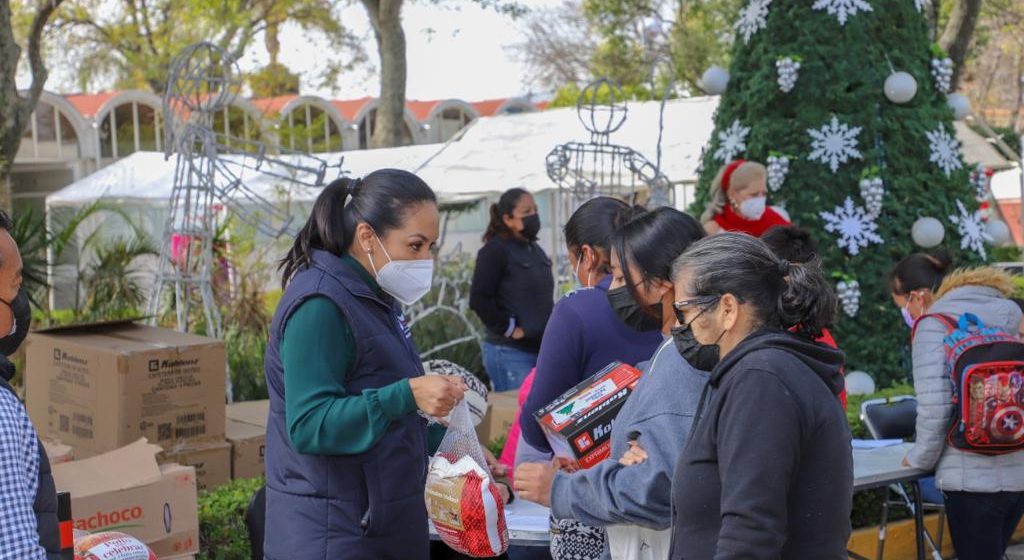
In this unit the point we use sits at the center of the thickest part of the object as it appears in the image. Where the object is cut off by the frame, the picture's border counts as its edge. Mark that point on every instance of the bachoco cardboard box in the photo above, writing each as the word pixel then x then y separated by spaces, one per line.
pixel 126 490
pixel 102 386
pixel 211 459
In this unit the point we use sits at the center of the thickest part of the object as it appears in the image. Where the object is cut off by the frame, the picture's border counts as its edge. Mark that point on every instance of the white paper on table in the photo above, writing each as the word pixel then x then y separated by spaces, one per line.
pixel 875 443
pixel 524 515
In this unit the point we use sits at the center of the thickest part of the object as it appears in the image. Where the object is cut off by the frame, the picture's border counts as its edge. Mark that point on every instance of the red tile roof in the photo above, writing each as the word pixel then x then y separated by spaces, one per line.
pixel 350 108
pixel 273 105
pixel 89 104
pixel 488 107
pixel 421 109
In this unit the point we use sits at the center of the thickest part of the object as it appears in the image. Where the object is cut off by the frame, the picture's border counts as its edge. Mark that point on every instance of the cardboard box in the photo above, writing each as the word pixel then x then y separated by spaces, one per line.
pixel 212 461
pixel 248 445
pixel 100 387
pixel 501 412
pixel 125 490
pixel 57 452
pixel 250 412
pixel 578 424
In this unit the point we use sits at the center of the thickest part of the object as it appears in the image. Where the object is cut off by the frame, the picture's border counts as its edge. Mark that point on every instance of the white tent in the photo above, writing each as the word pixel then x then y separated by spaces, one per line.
pixel 498 153
pixel 149 176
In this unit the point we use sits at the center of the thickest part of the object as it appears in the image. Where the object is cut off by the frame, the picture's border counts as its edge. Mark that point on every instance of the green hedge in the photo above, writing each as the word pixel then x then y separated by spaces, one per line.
pixel 222 531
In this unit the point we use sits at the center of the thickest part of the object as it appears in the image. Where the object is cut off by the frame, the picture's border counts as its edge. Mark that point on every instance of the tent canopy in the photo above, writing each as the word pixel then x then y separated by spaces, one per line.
pixel 491 155
pixel 498 153
pixel 149 177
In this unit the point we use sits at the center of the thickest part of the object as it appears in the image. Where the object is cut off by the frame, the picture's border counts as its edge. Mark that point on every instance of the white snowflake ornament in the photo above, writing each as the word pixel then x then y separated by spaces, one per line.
pixel 834 144
pixel 945 150
pixel 942 74
pixel 732 141
pixel 849 296
pixel 979 180
pixel 842 9
pixel 753 18
pixel 973 234
pixel 856 227
pixel 872 189
pixel 789 71
pixel 778 168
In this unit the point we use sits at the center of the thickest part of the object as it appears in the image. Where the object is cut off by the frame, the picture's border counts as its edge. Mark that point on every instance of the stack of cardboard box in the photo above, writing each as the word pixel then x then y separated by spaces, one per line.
pixel 247 431
pixel 99 389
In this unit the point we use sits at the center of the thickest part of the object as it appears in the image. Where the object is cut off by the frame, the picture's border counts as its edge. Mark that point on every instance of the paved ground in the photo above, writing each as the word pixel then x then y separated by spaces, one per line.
pixel 1015 552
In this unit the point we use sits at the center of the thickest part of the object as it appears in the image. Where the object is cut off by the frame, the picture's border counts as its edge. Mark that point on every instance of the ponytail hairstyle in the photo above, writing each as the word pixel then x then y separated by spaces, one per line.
pixel 651 242
pixel 782 294
pixel 736 174
pixel 593 224
pixel 382 199
pixel 504 207
pixel 920 271
pixel 792 243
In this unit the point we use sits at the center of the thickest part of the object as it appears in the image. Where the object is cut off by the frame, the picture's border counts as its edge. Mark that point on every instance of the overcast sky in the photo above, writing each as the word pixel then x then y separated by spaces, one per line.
pixel 455 49
pixel 460 53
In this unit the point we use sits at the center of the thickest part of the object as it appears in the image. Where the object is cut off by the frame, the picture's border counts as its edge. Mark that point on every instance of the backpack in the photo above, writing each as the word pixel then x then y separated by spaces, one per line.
pixel 986 368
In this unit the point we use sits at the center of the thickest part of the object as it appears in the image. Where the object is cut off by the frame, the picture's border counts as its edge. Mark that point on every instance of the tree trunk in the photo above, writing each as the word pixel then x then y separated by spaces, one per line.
pixel 16 109
pixel 956 38
pixel 386 19
pixel 1019 98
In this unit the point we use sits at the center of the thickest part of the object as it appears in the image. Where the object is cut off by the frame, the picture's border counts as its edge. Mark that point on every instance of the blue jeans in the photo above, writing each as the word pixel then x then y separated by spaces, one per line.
pixel 982 524
pixel 507 366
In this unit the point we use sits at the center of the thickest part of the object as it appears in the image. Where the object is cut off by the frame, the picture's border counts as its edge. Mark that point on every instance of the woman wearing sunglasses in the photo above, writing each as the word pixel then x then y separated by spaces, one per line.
pixel 629 493
pixel 767 471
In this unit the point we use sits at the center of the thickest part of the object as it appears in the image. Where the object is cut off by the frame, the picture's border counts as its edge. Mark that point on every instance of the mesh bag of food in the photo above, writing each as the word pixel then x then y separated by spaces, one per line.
pixel 111 545
pixel 463 501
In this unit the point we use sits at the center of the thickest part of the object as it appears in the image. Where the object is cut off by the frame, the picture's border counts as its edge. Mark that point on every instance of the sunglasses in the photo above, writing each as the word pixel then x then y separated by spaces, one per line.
pixel 702 303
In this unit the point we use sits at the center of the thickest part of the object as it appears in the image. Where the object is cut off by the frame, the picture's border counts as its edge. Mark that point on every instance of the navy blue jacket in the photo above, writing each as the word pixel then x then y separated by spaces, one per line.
pixel 354 507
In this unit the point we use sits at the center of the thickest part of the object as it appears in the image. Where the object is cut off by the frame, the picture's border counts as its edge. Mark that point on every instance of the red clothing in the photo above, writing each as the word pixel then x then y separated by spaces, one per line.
pixel 508 455
pixel 827 340
pixel 729 220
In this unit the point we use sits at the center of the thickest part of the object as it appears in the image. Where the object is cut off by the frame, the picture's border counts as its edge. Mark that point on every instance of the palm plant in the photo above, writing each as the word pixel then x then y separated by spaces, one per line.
pixel 112 283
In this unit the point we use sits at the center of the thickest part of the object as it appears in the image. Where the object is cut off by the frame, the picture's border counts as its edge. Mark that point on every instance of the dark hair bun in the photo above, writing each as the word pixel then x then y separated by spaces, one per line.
pixel 942 261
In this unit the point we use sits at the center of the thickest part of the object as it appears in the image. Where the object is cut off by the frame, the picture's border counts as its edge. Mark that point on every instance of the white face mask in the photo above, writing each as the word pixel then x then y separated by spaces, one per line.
pixel 753 208
pixel 406 281
pixel 579 281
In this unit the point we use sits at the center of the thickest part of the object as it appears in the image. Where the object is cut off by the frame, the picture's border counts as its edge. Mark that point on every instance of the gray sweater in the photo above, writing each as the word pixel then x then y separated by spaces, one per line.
pixel 957 470
pixel 661 409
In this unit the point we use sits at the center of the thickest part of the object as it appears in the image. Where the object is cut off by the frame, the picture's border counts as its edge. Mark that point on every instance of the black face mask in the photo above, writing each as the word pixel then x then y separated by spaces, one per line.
pixel 701 356
pixel 22 321
pixel 531 226
pixel 630 313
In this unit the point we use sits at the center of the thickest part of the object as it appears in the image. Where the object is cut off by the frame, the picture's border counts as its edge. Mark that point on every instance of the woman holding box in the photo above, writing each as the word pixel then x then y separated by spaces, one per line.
pixel 628 494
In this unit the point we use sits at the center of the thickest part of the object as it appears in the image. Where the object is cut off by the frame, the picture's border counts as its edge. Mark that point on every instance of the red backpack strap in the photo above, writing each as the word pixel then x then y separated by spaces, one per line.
pixel 948 321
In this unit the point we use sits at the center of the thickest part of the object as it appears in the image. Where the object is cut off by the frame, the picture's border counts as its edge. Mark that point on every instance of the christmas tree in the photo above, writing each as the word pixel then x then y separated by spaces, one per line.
pixel 847 103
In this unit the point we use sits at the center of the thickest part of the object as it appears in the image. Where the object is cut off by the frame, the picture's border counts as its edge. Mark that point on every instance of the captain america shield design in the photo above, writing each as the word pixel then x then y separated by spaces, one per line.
pixel 1008 423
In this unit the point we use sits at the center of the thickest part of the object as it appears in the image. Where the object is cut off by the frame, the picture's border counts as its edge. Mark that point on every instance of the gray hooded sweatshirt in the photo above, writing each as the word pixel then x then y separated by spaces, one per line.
pixel 662 409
